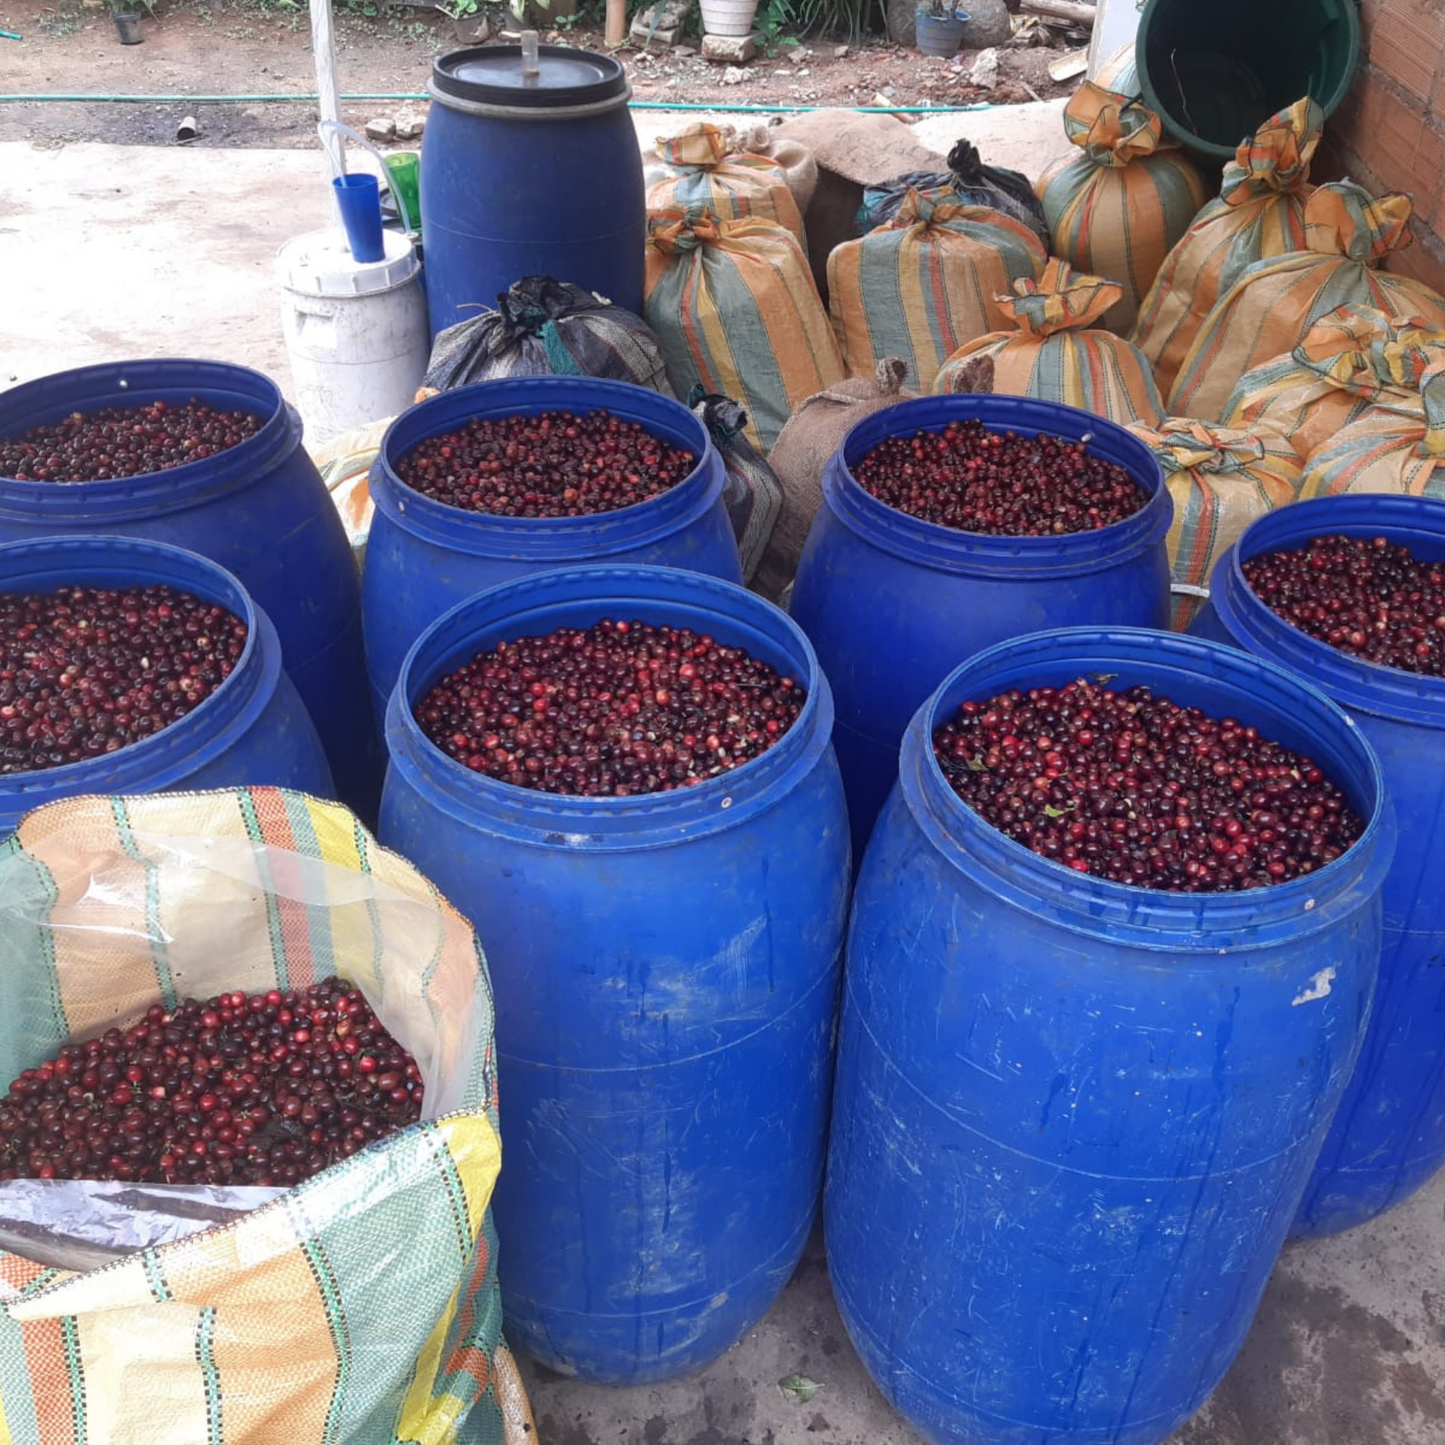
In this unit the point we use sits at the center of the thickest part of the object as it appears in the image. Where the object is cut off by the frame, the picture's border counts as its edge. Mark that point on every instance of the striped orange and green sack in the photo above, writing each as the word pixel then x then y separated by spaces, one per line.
pixel 1056 352
pixel 706 170
pixel 923 284
pixel 1117 207
pixel 1260 211
pixel 1387 451
pixel 1221 480
pixel 1270 309
pixel 359 1306
pixel 1353 363
pixel 734 307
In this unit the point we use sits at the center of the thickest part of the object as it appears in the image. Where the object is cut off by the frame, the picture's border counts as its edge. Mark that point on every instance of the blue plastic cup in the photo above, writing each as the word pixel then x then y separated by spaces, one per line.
pixel 359 200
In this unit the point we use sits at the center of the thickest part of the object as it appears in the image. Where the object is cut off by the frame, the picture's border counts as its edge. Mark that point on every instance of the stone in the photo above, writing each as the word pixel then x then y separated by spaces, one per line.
pixel 734 76
pixel 729 50
pixel 381 129
pixel 988 24
pixel 901 17
pixel 840 52
pixel 661 24
pixel 409 127
pixel 984 71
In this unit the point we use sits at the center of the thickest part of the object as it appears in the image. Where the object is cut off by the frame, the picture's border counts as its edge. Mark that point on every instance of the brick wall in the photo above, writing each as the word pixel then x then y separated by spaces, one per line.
pixel 1389 135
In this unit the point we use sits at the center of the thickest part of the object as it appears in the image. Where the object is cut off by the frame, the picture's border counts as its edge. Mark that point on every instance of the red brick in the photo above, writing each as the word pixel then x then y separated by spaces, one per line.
pixel 1404 39
pixel 1394 140
pixel 1421 262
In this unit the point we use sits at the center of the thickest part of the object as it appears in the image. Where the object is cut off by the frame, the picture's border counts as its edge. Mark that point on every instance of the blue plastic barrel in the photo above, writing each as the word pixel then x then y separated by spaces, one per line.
pixel 424 556
pixel 666 971
pixel 1073 1119
pixel 260 509
pixel 527 176
pixel 893 604
pixel 252 729
pixel 1389 1136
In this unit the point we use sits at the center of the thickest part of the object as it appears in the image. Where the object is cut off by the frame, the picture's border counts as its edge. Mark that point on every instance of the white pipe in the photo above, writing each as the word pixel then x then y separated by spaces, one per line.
pixel 323 46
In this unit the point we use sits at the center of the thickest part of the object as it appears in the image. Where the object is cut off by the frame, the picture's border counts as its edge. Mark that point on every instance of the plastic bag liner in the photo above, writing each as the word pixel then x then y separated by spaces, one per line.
pixel 544 327
pixel 359 1305
pixel 752 493
pixel 966 182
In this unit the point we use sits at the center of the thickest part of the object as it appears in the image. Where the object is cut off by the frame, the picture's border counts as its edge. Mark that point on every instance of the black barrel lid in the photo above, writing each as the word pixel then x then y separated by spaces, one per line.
pixel 492 75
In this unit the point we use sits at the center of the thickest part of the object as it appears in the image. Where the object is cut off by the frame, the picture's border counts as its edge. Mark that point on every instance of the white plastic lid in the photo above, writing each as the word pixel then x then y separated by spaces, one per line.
pixel 320 263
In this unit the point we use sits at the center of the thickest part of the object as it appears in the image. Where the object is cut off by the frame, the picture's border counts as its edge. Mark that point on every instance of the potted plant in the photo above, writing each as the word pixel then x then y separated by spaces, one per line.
pixel 728 17
pixel 940 27
pixel 126 14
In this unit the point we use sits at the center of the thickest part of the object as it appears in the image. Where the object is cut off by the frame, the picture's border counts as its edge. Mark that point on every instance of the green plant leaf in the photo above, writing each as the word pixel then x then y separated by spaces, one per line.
pixel 798 1388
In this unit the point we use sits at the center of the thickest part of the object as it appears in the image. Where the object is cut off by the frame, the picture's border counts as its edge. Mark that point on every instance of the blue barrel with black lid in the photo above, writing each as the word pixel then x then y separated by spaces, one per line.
pixel 529 172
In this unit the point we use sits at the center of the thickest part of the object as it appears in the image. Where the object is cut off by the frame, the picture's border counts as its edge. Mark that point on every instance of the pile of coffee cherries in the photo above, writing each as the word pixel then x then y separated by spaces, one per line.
pixel 1131 787
pixel 612 710
pixel 1364 595
pixel 553 464
pixel 119 441
pixel 87 670
pixel 264 1088
pixel 999 483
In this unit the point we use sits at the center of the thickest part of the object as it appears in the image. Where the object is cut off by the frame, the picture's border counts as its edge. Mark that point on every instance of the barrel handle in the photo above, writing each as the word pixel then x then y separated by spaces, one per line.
pixel 407 220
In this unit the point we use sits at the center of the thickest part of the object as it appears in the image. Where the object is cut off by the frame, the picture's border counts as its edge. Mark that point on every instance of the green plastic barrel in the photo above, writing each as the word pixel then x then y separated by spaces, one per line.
pixel 1216 71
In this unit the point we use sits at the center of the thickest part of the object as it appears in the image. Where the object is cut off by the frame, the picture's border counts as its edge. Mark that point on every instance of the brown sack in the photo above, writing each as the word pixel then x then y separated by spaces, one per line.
pixel 804 448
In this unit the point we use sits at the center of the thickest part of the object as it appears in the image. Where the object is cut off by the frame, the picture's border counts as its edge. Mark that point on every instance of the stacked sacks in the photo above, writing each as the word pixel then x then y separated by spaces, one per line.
pixel 1386 451
pixel 706 169
pixel 966 182
pixel 544 327
pixel 1221 479
pixel 1260 212
pixel 1352 363
pixel 924 283
pixel 813 434
pixel 1058 354
pixel 1270 309
pixel 1116 209
pixel 736 312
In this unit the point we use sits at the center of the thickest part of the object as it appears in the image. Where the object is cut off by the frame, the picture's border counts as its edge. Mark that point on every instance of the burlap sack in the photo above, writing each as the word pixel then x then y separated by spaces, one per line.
pixel 1221 480
pixel 803 449
pixel 1270 309
pixel 1119 203
pixel 924 283
pixel 1353 363
pixel 735 311
pixel 1057 353
pixel 705 168
pixel 851 150
pixel 1386 451
pixel 1260 211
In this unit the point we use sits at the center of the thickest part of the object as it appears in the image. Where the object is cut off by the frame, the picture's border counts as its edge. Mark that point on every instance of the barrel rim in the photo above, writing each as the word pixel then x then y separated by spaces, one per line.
pixel 976 553
pixel 191 741
pixel 630 823
pixel 1153 919
pixel 608 91
pixel 180 488
pixel 1366 687
pixel 484 534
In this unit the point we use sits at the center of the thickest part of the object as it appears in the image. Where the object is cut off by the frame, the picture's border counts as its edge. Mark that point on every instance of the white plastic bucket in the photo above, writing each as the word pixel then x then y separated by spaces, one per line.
pixel 356 334
pixel 728 17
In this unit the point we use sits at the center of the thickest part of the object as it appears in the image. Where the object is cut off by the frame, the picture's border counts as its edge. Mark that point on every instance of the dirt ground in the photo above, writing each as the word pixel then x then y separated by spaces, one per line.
pixel 234 47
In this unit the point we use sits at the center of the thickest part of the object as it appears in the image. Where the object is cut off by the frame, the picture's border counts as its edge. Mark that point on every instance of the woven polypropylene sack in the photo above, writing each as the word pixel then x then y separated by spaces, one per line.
pixel 1352 363
pixel 1260 212
pixel 925 283
pixel 545 327
pixel 1056 353
pixel 706 169
pixel 1117 206
pixel 813 433
pixel 1119 72
pixel 361 1306
pixel 1270 309
pixel 1387 451
pixel 1221 480
pixel 735 309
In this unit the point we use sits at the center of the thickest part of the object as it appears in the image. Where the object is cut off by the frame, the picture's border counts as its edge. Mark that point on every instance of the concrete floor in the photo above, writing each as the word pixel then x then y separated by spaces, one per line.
pixel 107 253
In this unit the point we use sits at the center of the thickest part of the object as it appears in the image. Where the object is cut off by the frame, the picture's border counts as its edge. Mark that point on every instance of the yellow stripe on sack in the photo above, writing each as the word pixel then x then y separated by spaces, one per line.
pixel 335 830
pixel 477 1154
pixel 425 1417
